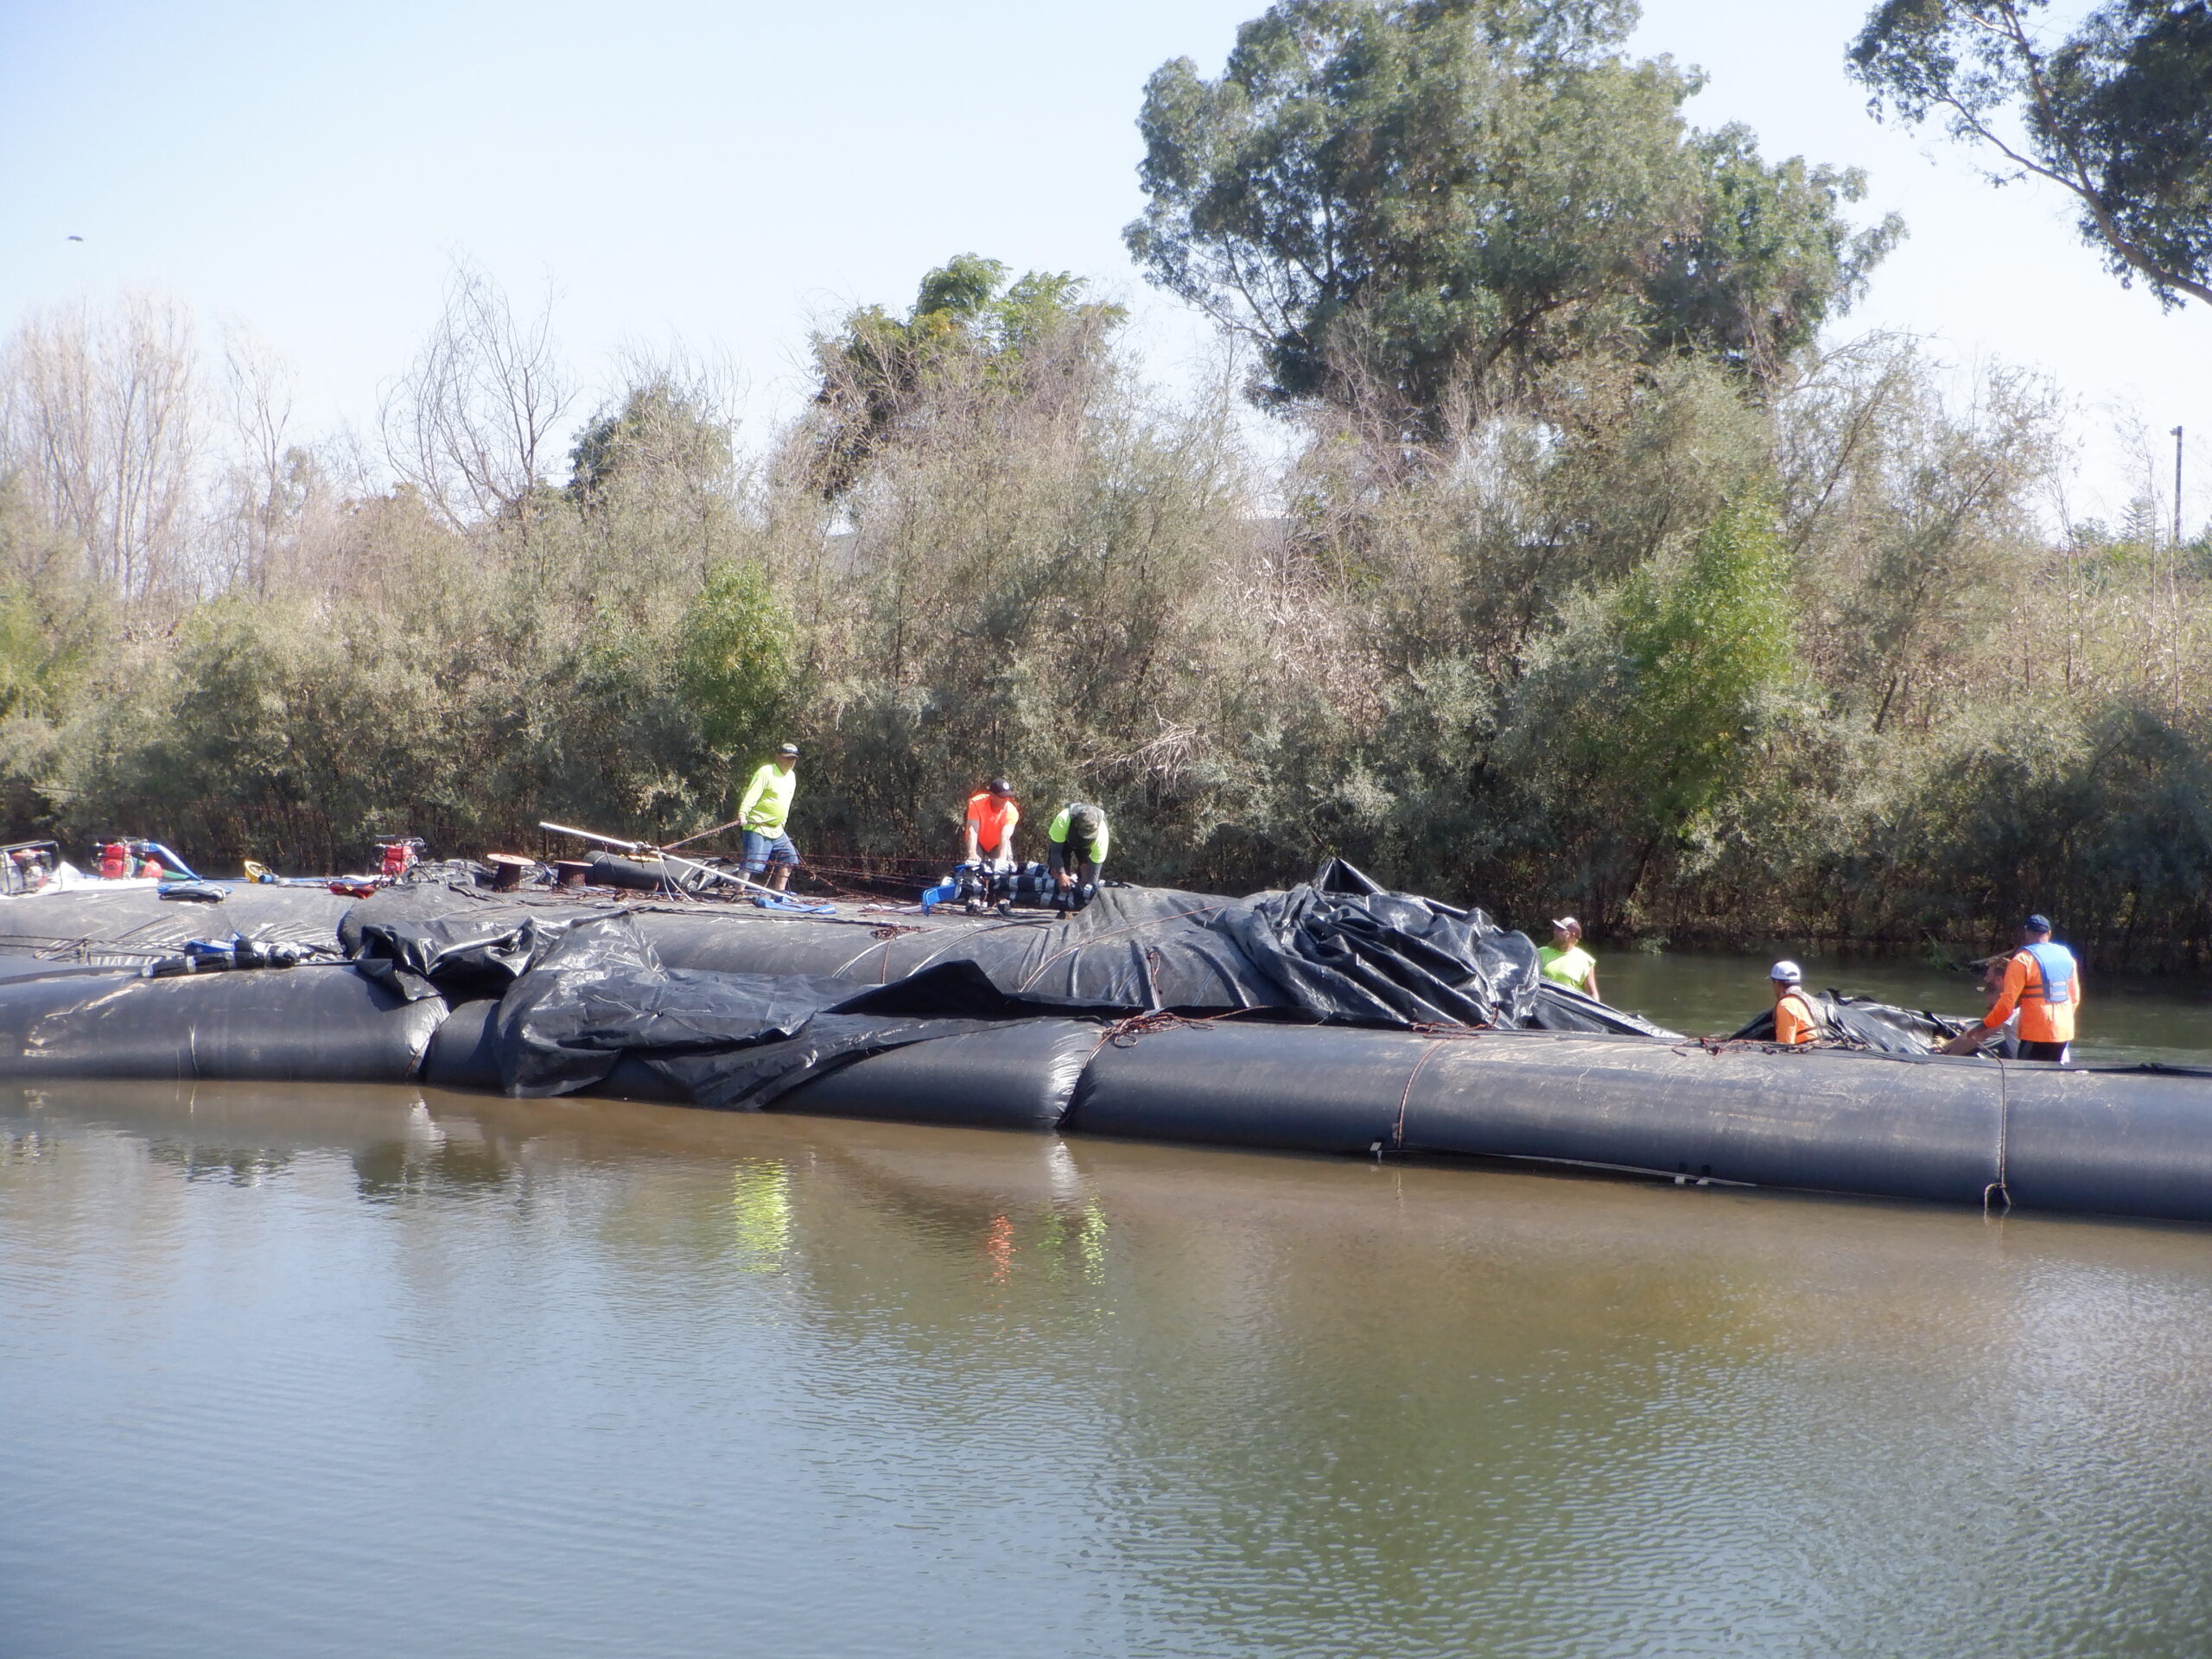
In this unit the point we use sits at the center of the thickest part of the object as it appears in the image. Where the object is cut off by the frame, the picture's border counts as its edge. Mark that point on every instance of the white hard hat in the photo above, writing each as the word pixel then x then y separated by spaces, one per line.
pixel 1786 972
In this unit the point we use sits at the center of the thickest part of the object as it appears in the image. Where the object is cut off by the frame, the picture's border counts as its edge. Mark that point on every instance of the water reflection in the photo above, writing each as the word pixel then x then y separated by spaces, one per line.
pixel 586 1376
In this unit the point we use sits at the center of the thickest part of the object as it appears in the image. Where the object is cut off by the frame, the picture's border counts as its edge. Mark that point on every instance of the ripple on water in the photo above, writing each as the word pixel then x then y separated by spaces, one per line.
pixel 346 1372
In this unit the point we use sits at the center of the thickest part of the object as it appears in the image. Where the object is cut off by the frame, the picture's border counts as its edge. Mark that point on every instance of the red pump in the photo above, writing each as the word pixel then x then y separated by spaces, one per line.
pixel 399 857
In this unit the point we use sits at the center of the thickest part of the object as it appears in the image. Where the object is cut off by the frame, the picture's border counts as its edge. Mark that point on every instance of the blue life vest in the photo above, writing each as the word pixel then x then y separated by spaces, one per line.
pixel 2055 966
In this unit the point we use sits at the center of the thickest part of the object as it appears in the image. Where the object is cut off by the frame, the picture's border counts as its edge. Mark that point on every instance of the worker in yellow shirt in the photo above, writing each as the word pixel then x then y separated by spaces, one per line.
pixel 1795 1020
pixel 1564 962
pixel 762 815
pixel 1076 844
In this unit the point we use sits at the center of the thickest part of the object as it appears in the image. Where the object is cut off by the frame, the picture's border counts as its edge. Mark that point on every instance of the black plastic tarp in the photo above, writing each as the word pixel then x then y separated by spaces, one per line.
pixel 424 940
pixel 1383 958
pixel 1861 1022
pixel 599 994
pixel 1337 949
pixel 125 926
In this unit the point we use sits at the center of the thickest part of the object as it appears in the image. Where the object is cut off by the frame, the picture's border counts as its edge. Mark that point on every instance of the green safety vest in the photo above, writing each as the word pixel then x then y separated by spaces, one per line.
pixel 1057 835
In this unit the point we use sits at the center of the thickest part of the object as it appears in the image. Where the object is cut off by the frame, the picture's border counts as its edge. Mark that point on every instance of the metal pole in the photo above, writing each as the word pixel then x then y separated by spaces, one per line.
pixel 2177 487
pixel 635 848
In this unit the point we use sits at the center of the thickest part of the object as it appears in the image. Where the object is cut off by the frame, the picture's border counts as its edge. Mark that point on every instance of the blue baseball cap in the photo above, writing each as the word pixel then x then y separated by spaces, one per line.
pixel 2037 923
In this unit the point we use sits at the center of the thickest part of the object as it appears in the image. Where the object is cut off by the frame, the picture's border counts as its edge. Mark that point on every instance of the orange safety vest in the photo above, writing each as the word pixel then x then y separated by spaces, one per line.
pixel 1797 1024
pixel 2046 993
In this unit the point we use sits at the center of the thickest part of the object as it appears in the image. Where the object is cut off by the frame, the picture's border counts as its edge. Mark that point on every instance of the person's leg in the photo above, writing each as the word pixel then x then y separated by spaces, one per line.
pixel 753 854
pixel 2049 1053
pixel 782 858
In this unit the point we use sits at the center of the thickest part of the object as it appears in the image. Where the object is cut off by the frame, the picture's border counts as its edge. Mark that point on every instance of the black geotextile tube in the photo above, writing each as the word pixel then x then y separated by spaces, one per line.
pixel 125 926
pixel 2118 1144
pixel 1018 1076
pixel 1256 1085
pixel 311 1024
pixel 638 875
pixel 1813 1119
pixel 460 1054
pixel 2121 1141
pixel 464 1055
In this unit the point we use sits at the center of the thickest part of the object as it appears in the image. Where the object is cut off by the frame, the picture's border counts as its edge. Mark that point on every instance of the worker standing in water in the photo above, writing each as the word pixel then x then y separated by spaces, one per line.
pixel 763 814
pixel 1564 962
pixel 1795 1020
pixel 2043 982
pixel 1076 843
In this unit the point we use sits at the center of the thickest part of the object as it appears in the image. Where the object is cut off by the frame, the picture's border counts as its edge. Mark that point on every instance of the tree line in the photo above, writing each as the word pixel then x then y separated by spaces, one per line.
pixel 1600 570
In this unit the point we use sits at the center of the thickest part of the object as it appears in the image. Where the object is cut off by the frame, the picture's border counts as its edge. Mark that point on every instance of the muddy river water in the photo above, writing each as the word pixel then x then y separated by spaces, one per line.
pixel 360 1370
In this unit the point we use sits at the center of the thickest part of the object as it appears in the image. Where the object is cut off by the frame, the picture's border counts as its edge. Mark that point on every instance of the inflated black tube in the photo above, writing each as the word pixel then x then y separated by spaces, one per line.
pixel 137 924
pixel 636 874
pixel 35 967
pixel 2116 1143
pixel 299 1024
pixel 1819 1119
pixel 1825 1120
pixel 460 1055
pixel 633 1079
pixel 1306 1088
pixel 1020 1076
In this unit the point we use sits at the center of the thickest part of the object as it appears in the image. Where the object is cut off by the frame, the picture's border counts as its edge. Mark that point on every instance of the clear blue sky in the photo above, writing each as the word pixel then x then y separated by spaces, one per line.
pixel 726 172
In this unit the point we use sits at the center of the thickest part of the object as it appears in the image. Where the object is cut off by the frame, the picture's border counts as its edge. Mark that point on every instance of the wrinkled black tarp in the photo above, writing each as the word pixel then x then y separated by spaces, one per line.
pixel 599 992
pixel 422 939
pixel 1557 1008
pixel 1337 949
pixel 1383 958
pixel 1861 1022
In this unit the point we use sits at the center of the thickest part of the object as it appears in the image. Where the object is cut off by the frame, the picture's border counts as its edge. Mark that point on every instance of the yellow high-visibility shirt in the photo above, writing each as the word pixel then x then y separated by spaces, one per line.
pixel 1570 967
pixel 768 800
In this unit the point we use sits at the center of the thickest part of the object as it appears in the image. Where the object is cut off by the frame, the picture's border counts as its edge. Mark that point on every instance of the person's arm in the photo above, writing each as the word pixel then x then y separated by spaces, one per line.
pixel 1056 850
pixel 2008 997
pixel 1970 1040
pixel 1006 839
pixel 972 839
pixel 1590 984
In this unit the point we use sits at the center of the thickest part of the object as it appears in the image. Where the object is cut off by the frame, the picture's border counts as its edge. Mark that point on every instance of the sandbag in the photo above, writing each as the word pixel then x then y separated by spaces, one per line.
pixel 1020 1076
pixel 316 1024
